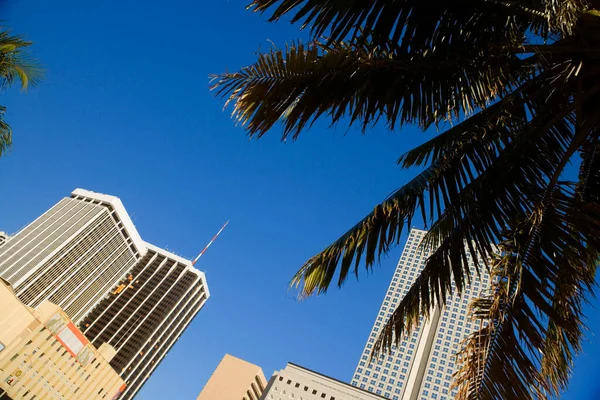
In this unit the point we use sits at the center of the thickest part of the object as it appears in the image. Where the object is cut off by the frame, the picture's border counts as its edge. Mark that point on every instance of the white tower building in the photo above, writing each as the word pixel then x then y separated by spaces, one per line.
pixel 421 368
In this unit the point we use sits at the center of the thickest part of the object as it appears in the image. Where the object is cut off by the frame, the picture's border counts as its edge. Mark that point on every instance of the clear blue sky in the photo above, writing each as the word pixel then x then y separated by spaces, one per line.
pixel 126 110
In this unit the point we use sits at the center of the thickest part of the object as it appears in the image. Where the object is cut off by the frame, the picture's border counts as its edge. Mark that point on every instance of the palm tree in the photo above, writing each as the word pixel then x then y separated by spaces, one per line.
pixel 519 84
pixel 15 65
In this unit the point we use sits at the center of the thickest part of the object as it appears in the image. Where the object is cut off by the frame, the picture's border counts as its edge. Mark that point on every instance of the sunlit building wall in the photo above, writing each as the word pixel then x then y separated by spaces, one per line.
pixel 421 367
pixel 234 379
pixel 296 382
pixel 73 254
pixel 44 356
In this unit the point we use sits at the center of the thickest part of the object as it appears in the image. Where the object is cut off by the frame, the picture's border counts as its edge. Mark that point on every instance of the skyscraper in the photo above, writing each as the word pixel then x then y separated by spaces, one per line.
pixel 146 313
pixel 73 254
pixel 85 255
pixel 421 368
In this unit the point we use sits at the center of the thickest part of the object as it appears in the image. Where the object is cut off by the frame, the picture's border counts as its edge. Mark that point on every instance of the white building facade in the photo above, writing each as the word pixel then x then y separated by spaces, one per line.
pixel 73 254
pixel 421 368
pixel 299 383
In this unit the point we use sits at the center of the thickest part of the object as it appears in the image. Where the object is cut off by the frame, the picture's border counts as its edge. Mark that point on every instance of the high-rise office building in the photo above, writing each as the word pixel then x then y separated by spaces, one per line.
pixel 234 379
pixel 421 367
pixel 146 313
pixel 73 254
pixel 85 255
pixel 296 382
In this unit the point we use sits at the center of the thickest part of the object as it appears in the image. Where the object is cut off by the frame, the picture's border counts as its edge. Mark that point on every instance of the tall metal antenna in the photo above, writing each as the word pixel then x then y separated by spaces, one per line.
pixel 209 243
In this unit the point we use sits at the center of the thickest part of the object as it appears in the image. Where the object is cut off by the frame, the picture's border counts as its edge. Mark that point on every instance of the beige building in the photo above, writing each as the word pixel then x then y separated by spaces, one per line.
pixel 299 383
pixel 44 356
pixel 234 379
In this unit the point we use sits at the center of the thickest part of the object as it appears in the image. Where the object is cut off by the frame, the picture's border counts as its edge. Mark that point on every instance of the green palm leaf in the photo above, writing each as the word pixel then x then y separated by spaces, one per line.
pixel 362 82
pixel 412 22
pixel 531 319
pixel 16 65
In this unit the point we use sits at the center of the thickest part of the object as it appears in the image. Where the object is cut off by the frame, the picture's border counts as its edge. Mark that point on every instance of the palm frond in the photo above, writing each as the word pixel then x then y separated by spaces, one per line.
pixel 366 83
pixel 495 177
pixel 496 362
pixel 448 190
pixel 413 23
pixel 16 63
pixel 5 133
pixel 531 320
pixel 589 170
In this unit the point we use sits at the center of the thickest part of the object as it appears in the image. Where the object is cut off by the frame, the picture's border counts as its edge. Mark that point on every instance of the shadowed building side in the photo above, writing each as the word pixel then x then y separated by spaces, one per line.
pixel 234 379
pixel 146 313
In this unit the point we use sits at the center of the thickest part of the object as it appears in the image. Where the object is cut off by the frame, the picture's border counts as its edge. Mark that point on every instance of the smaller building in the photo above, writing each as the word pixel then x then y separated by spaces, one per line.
pixel 234 379
pixel 44 356
pixel 298 382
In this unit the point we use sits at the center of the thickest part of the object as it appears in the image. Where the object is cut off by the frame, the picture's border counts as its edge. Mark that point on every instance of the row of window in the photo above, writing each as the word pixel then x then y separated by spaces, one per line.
pixel 306 389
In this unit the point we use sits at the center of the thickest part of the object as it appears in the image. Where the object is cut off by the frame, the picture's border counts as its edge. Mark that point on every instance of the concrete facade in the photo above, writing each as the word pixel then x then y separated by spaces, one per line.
pixel 234 379
pixel 299 383
pixel 421 368
pixel 44 356
pixel 146 313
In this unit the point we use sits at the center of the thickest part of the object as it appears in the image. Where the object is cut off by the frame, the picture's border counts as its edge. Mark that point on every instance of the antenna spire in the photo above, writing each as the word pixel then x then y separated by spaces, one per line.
pixel 209 243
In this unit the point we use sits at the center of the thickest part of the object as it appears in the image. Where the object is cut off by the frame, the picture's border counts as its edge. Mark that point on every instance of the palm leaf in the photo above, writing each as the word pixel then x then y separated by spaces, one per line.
pixel 16 65
pixel 454 179
pixel 5 133
pixel 412 22
pixel 531 320
pixel 366 83
pixel 495 177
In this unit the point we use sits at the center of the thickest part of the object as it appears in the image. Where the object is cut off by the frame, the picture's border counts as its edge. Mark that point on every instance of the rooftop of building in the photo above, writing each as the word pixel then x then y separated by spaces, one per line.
pixel 116 204
pixel 377 396
pixel 141 245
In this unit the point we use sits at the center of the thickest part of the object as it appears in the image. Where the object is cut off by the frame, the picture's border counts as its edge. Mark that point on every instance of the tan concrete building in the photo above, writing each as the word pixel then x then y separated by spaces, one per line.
pixel 234 379
pixel 44 356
